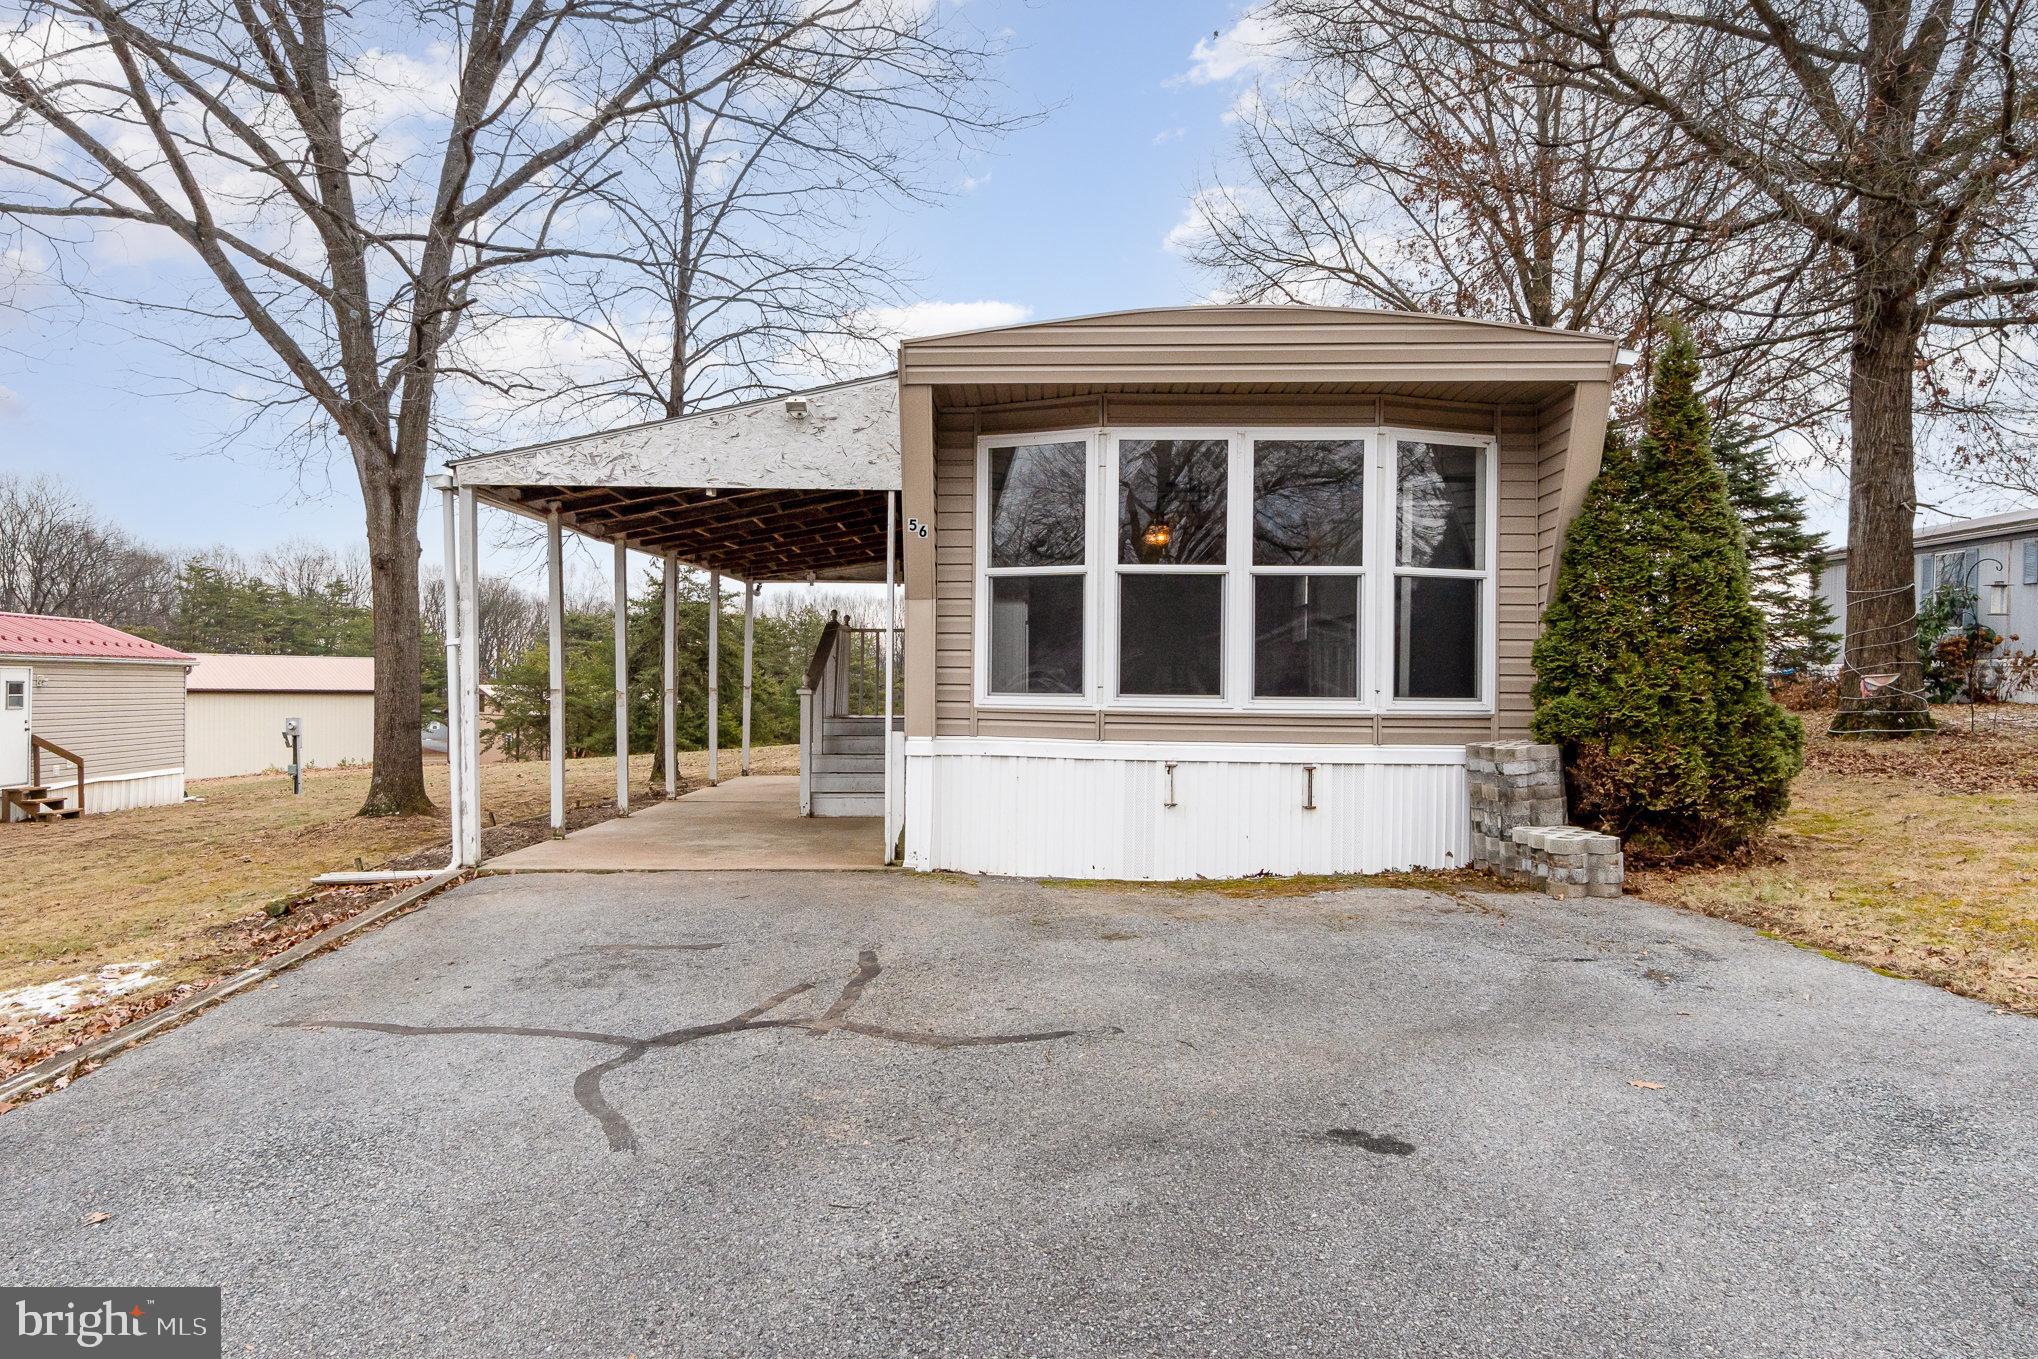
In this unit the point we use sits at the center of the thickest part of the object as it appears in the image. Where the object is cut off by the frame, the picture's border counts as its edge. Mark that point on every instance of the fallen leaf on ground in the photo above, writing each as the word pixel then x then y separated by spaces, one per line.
pixel 94 1219
pixel 1647 1085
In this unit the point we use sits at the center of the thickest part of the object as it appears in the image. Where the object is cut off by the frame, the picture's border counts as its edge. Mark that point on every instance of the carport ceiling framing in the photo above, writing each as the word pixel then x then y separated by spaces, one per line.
pixel 756 534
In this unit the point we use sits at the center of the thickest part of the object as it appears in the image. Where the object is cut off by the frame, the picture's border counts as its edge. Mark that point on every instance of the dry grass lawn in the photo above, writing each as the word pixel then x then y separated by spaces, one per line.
pixel 1918 858
pixel 164 882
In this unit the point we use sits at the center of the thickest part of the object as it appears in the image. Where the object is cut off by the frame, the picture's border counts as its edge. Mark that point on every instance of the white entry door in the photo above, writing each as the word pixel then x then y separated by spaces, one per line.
pixel 17 693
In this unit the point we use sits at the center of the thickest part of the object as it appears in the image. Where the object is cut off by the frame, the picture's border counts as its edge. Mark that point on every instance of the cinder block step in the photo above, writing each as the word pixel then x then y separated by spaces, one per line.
pixel 848 804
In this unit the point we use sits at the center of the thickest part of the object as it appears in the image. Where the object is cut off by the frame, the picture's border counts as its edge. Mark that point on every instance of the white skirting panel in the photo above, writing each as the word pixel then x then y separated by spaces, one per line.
pixel 124 792
pixel 1086 809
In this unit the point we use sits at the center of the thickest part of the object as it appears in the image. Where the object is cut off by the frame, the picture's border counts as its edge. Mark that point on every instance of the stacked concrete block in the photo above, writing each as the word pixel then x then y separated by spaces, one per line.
pixel 1518 831
pixel 1512 784
pixel 1566 861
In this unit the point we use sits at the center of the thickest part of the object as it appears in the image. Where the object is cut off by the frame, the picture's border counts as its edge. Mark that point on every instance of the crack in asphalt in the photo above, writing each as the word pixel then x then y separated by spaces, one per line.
pixel 587 1085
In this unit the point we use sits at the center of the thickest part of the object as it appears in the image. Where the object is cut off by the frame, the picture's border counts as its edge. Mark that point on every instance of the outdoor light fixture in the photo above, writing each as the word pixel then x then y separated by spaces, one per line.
pixel 1157 534
pixel 796 407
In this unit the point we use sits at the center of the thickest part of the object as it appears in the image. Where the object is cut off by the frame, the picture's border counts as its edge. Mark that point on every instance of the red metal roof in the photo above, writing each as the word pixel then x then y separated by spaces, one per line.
pixel 28 634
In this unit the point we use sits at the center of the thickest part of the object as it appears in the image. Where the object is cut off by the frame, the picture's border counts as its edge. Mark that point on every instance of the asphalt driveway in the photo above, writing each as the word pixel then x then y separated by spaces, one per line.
pixel 819 1115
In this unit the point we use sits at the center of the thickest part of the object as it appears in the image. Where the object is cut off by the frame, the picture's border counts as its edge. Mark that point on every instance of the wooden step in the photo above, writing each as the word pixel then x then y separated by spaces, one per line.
pixel 822 781
pixel 848 804
pixel 839 762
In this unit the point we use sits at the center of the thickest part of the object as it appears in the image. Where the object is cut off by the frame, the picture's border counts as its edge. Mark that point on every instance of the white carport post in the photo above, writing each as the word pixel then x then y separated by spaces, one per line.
pixel 891 633
pixel 622 678
pixel 750 589
pixel 668 722
pixel 714 669
pixel 457 791
pixel 555 618
pixel 470 676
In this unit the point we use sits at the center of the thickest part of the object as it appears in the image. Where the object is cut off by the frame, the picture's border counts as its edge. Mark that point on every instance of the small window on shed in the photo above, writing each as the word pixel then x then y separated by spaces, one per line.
pixel 2031 562
pixel 17 695
pixel 1999 599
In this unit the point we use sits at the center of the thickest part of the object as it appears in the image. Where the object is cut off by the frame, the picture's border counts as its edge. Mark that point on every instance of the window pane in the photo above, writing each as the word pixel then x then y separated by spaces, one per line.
pixel 1037 495
pixel 1436 637
pixel 1306 636
pixel 1171 500
pixel 1309 502
pixel 1438 521
pixel 1170 634
pixel 1036 634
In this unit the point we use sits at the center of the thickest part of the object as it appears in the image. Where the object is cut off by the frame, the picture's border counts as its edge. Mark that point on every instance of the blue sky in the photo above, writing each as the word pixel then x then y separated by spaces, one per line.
pixel 1068 216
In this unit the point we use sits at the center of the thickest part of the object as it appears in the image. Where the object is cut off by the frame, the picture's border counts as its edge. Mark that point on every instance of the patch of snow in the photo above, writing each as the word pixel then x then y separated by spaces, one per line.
pixel 51 999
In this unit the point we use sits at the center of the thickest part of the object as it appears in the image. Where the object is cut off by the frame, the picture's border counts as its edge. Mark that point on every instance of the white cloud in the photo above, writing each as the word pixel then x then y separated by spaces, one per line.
pixel 943 318
pixel 971 183
pixel 10 402
pixel 1246 48
pixel 1172 134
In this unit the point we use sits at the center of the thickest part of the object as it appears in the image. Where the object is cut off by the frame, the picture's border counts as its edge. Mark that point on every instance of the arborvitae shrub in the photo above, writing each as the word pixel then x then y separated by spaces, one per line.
pixel 1649 672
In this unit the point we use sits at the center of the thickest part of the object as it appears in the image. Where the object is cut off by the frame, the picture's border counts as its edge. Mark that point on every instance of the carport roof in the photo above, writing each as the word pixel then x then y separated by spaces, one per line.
pixel 779 487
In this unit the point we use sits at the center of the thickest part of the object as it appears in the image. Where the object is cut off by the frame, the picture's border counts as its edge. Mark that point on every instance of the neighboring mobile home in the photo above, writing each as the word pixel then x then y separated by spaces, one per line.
pixel 237 706
pixel 1993 558
pixel 1191 591
pixel 80 701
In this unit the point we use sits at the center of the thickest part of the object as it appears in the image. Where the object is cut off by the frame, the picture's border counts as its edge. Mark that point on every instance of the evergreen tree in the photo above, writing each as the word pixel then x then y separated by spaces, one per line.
pixel 1649 669
pixel 1783 557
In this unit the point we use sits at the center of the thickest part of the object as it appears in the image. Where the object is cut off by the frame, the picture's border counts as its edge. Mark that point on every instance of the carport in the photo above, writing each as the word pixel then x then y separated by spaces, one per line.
pixel 796 488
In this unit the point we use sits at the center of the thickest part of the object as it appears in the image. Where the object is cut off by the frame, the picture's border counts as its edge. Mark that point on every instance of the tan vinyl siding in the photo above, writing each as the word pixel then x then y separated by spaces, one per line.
pixel 122 719
pixel 1522 435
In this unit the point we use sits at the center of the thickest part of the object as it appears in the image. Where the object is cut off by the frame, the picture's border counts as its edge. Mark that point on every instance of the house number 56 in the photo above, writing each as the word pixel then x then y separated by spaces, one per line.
pixel 916 528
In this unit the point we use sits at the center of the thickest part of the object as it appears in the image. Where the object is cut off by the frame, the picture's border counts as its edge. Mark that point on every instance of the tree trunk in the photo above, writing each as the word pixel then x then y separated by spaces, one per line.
pixel 397 787
pixel 1882 605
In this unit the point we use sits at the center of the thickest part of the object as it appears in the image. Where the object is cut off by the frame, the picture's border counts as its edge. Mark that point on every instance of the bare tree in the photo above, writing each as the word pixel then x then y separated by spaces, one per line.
pixel 58 557
pixel 351 219
pixel 510 620
pixel 1382 164
pixel 1893 148
pixel 305 566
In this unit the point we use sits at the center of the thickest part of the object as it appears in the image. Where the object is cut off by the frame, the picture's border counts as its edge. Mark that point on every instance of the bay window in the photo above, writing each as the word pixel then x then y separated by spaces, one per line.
pixel 1293 569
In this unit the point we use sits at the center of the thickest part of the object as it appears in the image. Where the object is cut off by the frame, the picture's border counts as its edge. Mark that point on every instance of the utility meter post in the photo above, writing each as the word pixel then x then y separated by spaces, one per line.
pixel 293 734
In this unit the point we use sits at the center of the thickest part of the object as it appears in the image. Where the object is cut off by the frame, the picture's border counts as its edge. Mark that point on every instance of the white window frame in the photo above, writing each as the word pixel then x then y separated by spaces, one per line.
pixel 1082 699
pixel 1482 704
pixel 1378 573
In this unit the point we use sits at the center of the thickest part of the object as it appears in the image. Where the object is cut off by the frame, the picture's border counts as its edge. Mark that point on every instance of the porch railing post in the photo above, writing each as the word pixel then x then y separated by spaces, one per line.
pixel 555 619
pixel 807 751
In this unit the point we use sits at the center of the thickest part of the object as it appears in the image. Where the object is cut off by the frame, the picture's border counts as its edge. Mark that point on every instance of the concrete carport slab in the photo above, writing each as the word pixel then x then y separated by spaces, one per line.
pixel 747 823
pixel 854 1114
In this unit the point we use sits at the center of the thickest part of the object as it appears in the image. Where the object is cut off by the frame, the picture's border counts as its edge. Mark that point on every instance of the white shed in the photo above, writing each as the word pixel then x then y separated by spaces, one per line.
pixel 236 705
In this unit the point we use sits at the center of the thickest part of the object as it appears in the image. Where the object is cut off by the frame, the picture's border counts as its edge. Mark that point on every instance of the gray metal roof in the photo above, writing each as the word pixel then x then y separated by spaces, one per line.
pixel 1956 532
